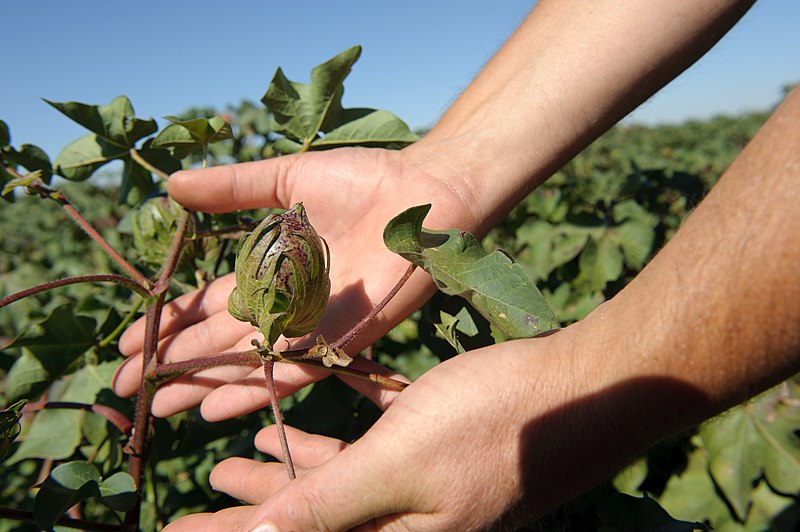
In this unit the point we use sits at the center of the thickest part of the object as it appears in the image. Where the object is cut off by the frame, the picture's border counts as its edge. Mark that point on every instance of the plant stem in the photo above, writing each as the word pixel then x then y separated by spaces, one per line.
pixel 352 333
pixel 269 366
pixel 115 417
pixel 136 156
pixel 166 372
pixel 43 190
pixel 176 247
pixel 101 278
pixel 121 327
pixel 381 380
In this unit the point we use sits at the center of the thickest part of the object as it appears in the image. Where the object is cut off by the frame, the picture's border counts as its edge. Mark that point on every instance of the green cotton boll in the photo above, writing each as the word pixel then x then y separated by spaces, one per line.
pixel 282 281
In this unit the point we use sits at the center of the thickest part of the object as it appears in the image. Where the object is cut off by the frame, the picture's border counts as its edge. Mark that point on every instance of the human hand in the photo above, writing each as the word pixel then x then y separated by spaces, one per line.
pixel 350 195
pixel 475 442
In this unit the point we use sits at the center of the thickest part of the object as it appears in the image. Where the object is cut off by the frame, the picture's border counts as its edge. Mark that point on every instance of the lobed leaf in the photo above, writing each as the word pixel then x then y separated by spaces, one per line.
pixel 185 137
pixel 493 283
pixel 114 122
pixel 311 115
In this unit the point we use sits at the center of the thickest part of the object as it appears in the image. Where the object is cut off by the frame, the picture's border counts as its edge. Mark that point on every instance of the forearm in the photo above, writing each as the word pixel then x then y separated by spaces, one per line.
pixel 712 320
pixel 569 72
pixel 718 309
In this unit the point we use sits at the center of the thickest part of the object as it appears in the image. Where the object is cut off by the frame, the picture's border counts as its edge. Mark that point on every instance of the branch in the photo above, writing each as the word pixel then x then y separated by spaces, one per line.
pixel 114 416
pixel 100 278
pixel 360 326
pixel 44 191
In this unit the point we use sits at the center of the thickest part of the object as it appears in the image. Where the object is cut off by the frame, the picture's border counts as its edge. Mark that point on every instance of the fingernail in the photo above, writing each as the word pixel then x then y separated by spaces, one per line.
pixel 265 527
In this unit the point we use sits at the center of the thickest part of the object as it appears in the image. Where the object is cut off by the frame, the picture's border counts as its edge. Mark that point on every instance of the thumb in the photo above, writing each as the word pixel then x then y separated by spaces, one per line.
pixel 233 187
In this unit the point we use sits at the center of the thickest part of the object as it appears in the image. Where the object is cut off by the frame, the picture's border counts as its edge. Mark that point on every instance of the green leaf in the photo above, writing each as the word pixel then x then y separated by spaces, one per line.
pixel 118 492
pixel 83 387
pixel 635 239
pixel 620 512
pixel 39 439
pixel 137 182
pixel 82 157
pixel 376 127
pixel 114 122
pixel 301 110
pixel 493 283
pixel 5 134
pixel 24 181
pixel 32 158
pixel 9 426
pixel 754 439
pixel 185 137
pixel 62 338
pixel 600 262
pixel 67 485
pixel 692 495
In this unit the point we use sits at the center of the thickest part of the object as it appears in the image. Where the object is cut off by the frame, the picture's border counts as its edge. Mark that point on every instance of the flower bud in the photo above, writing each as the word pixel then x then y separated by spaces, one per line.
pixel 282 283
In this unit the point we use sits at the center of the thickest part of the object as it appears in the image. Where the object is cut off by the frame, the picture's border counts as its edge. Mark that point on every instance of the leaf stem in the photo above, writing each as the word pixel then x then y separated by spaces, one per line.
pixel 100 278
pixel 121 327
pixel 114 416
pixel 136 156
pixel 352 333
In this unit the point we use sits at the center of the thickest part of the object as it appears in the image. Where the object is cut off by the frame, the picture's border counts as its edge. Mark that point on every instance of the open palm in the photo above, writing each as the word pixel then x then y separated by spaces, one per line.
pixel 350 195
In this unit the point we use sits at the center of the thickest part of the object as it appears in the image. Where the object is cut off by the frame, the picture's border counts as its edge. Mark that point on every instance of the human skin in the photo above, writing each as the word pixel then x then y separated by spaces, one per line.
pixel 498 436
pixel 566 75
pixel 465 447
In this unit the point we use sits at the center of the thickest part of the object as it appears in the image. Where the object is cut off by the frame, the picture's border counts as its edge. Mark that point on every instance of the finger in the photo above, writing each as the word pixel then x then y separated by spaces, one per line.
pixel 228 519
pixel 239 398
pixel 218 334
pixel 232 187
pixel 308 503
pixel 379 394
pixel 248 480
pixel 308 450
pixel 181 313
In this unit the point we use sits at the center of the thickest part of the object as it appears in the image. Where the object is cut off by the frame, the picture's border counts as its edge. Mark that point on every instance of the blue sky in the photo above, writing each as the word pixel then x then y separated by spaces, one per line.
pixel 418 55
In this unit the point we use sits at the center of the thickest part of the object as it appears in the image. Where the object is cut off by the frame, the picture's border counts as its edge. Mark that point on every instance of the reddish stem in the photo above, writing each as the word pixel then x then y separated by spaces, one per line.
pixel 58 196
pixel 269 366
pixel 115 417
pixel 361 325
pixel 101 278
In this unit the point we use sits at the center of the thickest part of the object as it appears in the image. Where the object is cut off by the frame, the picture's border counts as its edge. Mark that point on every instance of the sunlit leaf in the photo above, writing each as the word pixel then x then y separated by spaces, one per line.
pixel 114 122
pixel 85 155
pixel 493 283
pixel 376 127
pixel 301 110
pixel 184 137
pixel 757 438
pixel 311 115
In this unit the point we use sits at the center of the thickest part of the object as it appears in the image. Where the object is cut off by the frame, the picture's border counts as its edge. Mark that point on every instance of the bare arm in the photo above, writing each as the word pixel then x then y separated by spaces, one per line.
pixel 569 72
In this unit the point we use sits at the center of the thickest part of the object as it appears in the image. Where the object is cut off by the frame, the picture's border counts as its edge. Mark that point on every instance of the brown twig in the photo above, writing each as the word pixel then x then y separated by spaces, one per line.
pixel 45 191
pixel 100 278
pixel 269 366
pixel 115 417
pixel 361 325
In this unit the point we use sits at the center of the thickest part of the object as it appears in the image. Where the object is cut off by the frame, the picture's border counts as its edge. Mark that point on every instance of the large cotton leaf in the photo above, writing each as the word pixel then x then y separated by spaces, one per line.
pixel 492 282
